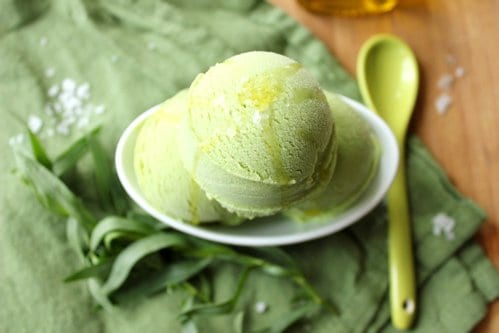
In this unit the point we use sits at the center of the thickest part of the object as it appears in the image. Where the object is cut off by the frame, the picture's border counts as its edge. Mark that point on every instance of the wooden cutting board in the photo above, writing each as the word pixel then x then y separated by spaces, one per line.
pixel 457 46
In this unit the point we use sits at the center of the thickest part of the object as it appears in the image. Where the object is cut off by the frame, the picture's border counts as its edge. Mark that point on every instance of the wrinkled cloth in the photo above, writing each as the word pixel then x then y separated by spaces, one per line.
pixel 118 58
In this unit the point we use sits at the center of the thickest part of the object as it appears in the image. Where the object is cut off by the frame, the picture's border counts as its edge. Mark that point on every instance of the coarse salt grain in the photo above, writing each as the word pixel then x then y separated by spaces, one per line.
pixel 83 91
pixel 43 41
pixel 261 307
pixel 443 103
pixel 114 58
pixel 53 91
pixel 99 109
pixel 16 140
pixel 49 72
pixel 446 81
pixel 69 108
pixel 459 72
pixel 35 124
pixel 68 85
pixel 443 224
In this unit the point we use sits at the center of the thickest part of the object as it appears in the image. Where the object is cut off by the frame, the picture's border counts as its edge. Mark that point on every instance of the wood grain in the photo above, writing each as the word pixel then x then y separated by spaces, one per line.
pixel 445 35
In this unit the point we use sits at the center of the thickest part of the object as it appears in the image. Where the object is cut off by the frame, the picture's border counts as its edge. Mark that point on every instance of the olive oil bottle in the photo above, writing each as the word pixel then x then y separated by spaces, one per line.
pixel 349 7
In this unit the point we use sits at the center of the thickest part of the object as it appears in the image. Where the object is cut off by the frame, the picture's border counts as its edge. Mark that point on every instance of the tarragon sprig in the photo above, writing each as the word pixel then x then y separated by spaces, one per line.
pixel 127 254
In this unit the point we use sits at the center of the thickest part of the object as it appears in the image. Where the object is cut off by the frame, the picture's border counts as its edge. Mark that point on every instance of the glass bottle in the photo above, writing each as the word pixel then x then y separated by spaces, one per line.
pixel 349 7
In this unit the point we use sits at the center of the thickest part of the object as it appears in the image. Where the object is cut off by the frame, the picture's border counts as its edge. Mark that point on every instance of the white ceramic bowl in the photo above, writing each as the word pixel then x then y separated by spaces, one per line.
pixel 274 230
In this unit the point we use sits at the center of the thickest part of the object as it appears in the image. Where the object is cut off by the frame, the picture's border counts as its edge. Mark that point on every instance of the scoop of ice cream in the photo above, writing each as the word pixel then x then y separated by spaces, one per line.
pixel 258 135
pixel 358 157
pixel 161 176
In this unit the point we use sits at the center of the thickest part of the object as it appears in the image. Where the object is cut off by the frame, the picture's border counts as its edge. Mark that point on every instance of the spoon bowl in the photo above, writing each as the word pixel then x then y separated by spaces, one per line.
pixel 388 77
pixel 278 229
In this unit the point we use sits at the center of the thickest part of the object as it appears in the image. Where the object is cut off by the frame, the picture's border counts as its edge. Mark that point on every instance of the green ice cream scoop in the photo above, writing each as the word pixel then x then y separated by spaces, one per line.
pixel 161 176
pixel 258 136
pixel 358 156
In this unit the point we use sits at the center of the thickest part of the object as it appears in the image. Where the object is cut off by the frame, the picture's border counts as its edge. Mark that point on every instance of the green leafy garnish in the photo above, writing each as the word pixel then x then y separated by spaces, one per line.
pixel 218 308
pixel 117 226
pixel 68 159
pixel 39 152
pixel 127 255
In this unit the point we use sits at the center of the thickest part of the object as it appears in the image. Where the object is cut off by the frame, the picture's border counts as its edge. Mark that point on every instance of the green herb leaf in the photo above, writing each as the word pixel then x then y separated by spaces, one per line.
pixel 173 274
pixel 100 270
pixel 38 151
pixel 239 322
pixel 114 224
pixel 136 251
pixel 70 157
pixel 108 187
pixel 77 237
pixel 188 257
pixel 274 255
pixel 95 288
pixel 218 308
pixel 284 322
pixel 52 192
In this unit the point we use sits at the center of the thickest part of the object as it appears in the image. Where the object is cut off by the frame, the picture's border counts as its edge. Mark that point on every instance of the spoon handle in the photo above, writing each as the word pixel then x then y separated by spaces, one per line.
pixel 401 263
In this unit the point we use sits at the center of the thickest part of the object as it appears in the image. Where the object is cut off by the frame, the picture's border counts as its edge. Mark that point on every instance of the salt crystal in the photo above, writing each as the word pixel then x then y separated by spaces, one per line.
pixel 72 103
pixel 451 59
pixel 64 97
pixel 49 72
pixel 52 92
pixel 69 107
pixel 443 224
pixel 261 307
pixel 83 91
pixel 445 81
pixel 459 72
pixel 443 103
pixel 43 41
pixel 68 85
pixel 35 124
pixel 114 58
pixel 99 109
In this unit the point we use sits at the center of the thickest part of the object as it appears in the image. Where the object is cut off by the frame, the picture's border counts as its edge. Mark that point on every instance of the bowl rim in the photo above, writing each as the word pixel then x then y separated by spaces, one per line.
pixel 278 229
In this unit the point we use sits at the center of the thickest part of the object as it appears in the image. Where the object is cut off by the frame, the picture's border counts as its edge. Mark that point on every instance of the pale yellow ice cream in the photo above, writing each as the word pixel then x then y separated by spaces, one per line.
pixel 258 136
pixel 161 176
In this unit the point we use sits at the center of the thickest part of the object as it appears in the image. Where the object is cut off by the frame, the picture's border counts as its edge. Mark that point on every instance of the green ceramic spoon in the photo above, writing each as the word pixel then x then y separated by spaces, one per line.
pixel 388 77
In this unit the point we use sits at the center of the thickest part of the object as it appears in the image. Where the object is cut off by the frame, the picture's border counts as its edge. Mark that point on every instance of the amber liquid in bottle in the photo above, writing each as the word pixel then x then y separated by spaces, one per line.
pixel 349 7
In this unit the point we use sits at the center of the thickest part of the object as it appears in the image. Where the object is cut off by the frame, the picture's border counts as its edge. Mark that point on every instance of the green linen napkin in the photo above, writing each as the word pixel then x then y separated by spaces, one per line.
pixel 118 58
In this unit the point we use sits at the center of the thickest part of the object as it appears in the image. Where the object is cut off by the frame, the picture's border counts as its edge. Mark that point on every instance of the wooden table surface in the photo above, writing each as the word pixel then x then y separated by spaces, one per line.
pixel 446 35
